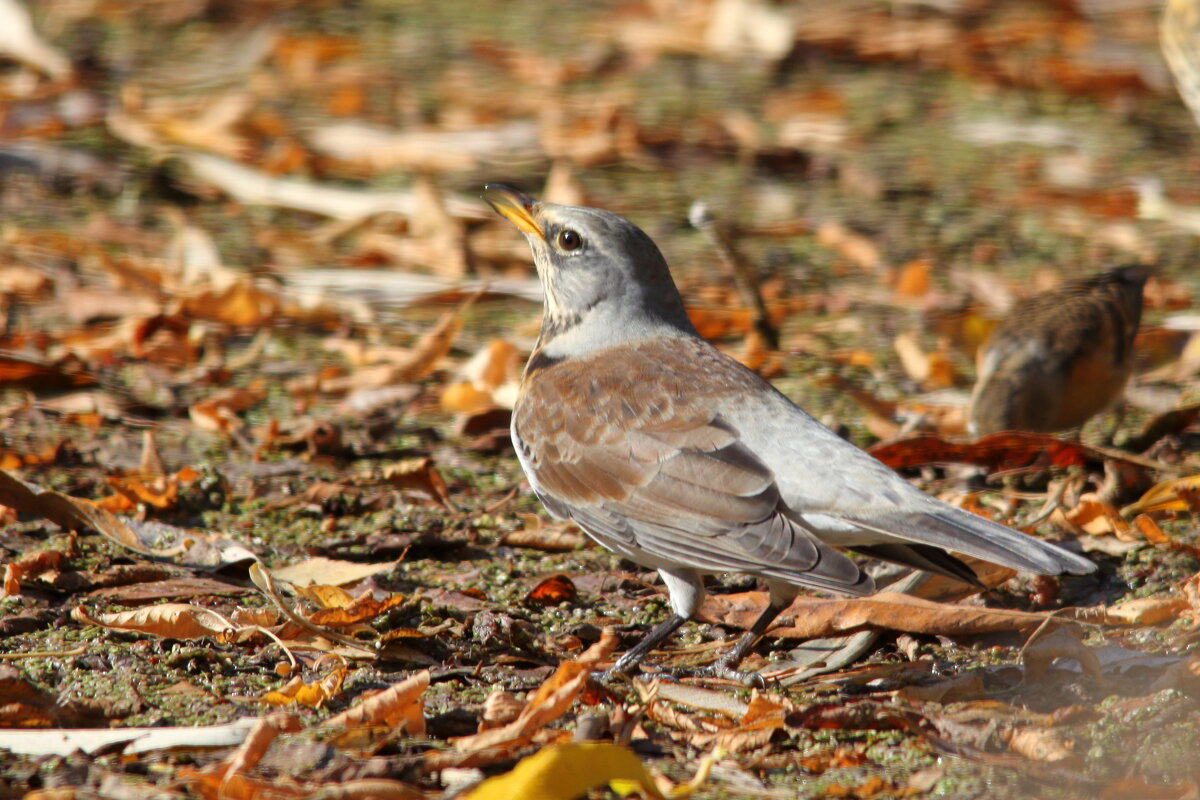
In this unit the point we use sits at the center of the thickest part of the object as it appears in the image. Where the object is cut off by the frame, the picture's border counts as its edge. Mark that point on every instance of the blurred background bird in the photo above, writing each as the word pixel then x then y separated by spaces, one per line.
pixel 1060 357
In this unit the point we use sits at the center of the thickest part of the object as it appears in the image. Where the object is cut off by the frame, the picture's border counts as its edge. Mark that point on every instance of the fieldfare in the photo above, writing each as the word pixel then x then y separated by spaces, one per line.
pixel 677 457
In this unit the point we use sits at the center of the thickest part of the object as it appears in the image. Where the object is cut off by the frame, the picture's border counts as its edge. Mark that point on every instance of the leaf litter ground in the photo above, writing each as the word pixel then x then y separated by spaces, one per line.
pixel 264 534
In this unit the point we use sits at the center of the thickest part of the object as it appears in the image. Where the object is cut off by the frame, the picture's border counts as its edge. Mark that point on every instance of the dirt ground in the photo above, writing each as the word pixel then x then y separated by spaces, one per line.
pixel 261 337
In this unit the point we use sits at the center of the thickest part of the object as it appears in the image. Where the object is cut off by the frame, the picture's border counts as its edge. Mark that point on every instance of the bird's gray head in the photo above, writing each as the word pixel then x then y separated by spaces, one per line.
pixel 605 280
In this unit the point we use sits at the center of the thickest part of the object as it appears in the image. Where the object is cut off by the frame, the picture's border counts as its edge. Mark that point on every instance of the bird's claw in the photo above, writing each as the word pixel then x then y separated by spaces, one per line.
pixel 726 672
pixel 609 676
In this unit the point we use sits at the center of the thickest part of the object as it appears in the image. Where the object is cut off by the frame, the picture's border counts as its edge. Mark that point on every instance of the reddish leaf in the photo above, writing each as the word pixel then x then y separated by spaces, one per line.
pixel 552 591
pixel 1005 450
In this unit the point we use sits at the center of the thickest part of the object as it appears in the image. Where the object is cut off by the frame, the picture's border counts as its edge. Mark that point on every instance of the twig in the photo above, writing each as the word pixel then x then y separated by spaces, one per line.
pixel 739 269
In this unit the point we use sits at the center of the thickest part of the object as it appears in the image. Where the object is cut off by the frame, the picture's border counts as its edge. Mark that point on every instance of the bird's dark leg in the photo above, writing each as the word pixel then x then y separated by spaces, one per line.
pixel 628 663
pixel 685 590
pixel 726 665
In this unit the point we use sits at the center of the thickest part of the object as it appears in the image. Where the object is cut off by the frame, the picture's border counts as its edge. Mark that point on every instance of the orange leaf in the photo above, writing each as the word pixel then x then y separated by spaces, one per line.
pixel 552 591
pixel 400 704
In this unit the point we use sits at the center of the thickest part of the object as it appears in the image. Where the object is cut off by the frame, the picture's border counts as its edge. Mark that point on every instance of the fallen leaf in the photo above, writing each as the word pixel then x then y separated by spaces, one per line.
pixel 851 246
pixel 320 570
pixel 133 740
pixel 914 279
pixel 567 771
pixel 37 375
pixel 72 513
pixel 310 695
pixel 1042 744
pixel 1177 494
pixel 552 591
pixel 168 620
pixel 29 566
pixel 809 618
pixel 551 700
pixel 20 41
pixel 364 607
pixel 218 412
pixel 1007 450
pixel 1061 642
pixel 256 188
pixel 1145 611
pixel 396 706
pixel 541 535
pixel 421 474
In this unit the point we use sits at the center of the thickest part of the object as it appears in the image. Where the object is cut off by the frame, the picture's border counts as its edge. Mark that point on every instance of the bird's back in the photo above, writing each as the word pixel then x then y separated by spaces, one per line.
pixel 1060 357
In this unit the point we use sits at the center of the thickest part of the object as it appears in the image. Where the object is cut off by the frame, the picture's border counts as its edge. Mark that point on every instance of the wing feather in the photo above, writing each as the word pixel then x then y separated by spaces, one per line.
pixel 671 484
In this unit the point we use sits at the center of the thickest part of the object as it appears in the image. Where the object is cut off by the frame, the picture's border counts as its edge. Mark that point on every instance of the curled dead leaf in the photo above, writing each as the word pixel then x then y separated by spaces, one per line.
pixel 399 707
pixel 169 620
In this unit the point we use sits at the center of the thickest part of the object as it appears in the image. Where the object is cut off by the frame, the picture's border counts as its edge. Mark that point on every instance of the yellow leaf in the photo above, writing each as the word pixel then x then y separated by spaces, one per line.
pixel 312 695
pixel 1166 496
pixel 324 595
pixel 567 771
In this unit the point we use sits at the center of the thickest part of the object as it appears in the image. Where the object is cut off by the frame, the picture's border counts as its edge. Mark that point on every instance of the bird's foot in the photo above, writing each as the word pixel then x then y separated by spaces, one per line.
pixel 609 676
pixel 727 672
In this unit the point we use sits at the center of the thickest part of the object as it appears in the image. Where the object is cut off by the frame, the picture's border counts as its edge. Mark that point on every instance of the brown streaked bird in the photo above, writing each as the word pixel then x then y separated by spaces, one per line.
pixel 674 455
pixel 1060 357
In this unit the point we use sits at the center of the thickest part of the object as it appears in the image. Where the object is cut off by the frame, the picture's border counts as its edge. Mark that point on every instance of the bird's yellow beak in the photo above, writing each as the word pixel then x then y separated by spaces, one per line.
pixel 514 206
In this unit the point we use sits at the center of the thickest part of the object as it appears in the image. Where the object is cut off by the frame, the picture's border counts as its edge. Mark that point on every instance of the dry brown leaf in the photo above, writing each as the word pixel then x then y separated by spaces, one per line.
pixel 933 369
pixel 809 618
pixel 364 607
pixel 320 570
pixel 323 594
pixel 1144 611
pixel 1096 517
pixel 218 413
pixel 251 751
pixel 914 280
pixel 500 708
pixel 241 305
pixel 1062 642
pixel 1150 530
pixel 1006 450
pixel 552 591
pixel 413 365
pixel 967 686
pixel 1042 744
pixel 464 398
pixel 38 375
pixel 541 535
pixel 28 566
pixel 71 513
pixel 399 705
pixel 490 379
pixel 169 620
pixel 551 700
pixel 420 474
pixel 145 489
pixel 22 705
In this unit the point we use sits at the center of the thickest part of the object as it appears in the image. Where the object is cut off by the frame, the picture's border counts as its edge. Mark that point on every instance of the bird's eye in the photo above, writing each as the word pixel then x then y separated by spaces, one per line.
pixel 569 240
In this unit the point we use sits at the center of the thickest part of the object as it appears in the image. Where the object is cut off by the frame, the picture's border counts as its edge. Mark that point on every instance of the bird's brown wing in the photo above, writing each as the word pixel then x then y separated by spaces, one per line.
pixel 1060 357
pixel 639 463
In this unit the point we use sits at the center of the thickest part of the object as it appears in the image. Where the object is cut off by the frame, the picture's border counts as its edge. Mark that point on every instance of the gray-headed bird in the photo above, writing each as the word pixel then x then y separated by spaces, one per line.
pixel 677 457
